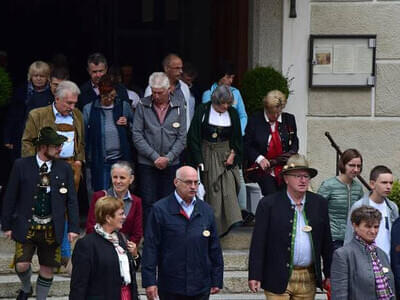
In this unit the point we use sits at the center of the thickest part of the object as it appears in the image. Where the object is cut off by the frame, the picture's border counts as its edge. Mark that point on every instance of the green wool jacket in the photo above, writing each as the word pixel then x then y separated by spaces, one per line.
pixel 194 140
pixel 340 199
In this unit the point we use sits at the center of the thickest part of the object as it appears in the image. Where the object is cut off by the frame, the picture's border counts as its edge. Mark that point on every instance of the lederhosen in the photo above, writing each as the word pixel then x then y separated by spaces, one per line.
pixel 41 235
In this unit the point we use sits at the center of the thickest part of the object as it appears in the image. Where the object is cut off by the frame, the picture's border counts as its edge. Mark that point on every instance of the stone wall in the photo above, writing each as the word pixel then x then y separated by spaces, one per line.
pixel 366 119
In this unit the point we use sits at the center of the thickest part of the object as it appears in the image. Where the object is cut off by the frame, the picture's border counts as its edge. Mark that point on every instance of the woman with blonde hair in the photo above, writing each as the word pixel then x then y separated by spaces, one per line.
pixel 32 94
pixel 270 139
pixel 104 265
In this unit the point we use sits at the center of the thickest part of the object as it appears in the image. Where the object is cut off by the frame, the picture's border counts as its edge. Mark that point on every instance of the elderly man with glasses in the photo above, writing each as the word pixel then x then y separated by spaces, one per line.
pixel 291 235
pixel 182 243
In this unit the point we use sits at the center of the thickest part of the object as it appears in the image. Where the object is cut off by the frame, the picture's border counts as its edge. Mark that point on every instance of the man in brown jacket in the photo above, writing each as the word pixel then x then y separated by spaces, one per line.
pixel 67 120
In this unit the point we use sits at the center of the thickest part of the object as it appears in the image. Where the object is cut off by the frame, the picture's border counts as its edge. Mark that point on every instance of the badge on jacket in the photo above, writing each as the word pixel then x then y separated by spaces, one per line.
pixel 307 228
pixel 206 233
pixel 176 125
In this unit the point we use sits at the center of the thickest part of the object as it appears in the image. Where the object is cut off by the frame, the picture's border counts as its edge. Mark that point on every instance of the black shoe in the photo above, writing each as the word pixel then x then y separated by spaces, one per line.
pixel 24 296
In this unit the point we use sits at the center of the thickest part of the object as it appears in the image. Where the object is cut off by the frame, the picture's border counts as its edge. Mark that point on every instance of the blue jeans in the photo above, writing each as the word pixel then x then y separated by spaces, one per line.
pixel 154 184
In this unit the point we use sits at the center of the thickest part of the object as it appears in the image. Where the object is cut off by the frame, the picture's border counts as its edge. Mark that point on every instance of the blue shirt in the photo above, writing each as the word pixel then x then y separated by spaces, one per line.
pixel 69 145
pixel 302 254
pixel 188 208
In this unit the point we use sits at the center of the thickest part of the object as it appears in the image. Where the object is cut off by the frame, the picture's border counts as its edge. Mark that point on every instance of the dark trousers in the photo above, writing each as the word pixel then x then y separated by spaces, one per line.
pixel 268 184
pixel 154 184
pixel 171 296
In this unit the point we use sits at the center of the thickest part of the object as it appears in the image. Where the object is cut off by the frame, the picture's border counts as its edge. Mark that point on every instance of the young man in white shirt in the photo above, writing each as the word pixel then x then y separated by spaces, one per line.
pixel 381 182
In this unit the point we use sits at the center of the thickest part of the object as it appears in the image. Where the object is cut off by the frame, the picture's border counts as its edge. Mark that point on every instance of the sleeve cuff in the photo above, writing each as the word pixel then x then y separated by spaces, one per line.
pixel 259 159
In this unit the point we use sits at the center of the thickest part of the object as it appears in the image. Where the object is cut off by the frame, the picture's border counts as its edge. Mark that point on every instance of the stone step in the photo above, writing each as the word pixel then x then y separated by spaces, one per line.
pixel 6 245
pixel 234 260
pixel 234 282
pixel 238 238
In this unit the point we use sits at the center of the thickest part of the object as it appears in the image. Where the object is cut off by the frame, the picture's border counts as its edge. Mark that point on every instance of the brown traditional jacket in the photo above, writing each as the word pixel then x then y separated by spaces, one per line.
pixel 44 116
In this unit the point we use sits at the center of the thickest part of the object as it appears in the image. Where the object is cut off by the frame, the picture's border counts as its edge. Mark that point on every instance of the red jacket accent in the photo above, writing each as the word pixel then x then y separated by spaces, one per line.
pixel 132 227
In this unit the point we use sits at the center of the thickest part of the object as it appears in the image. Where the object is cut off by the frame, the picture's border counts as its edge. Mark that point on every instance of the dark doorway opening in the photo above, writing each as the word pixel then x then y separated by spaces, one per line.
pixel 139 32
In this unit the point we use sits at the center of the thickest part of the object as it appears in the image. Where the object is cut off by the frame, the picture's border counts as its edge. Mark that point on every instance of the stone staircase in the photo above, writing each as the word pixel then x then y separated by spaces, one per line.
pixel 235 246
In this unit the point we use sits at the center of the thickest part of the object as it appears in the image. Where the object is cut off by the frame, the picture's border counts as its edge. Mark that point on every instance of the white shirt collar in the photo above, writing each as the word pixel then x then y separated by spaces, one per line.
pixel 266 117
pixel 183 202
pixel 40 162
pixel 57 113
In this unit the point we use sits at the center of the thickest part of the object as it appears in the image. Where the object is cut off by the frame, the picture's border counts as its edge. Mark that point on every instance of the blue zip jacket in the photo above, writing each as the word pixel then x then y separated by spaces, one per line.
pixel 237 103
pixel 187 252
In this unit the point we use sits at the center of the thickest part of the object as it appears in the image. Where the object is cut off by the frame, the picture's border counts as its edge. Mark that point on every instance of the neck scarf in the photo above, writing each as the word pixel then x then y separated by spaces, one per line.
pixel 122 256
pixel 383 290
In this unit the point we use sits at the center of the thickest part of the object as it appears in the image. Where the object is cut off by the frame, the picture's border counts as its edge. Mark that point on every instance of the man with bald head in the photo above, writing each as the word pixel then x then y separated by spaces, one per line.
pixel 182 243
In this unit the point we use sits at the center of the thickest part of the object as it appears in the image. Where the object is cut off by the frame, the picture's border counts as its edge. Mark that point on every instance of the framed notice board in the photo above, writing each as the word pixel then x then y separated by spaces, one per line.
pixel 342 60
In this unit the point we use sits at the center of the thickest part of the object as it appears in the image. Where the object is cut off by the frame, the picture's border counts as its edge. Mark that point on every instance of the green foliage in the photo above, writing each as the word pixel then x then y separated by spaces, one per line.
pixel 258 82
pixel 5 87
pixel 395 194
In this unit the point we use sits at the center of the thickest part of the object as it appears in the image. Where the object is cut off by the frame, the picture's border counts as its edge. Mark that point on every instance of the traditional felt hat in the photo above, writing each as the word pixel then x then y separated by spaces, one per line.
pixel 48 136
pixel 298 162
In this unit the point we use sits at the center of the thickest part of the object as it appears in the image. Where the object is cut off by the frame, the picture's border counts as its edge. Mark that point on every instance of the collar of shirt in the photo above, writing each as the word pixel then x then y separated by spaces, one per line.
pixel 57 114
pixel 40 162
pixel 266 117
pixel 127 196
pixel 95 89
pixel 303 201
pixel 183 203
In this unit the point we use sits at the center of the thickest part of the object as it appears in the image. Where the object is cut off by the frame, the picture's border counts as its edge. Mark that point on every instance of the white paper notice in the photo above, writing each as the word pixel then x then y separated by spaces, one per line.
pixel 343 59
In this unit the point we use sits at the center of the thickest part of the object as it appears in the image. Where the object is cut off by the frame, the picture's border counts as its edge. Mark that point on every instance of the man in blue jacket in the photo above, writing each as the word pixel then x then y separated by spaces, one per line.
pixel 181 241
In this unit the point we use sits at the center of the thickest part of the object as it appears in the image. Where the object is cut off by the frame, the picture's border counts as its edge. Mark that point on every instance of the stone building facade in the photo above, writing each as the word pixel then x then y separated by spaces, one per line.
pixel 364 118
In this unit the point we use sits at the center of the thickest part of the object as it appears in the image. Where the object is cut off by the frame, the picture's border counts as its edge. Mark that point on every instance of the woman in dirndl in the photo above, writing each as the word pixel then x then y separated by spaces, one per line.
pixel 215 147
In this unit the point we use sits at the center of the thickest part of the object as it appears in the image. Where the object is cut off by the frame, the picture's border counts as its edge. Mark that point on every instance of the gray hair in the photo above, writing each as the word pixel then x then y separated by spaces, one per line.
pixel 222 94
pixel 159 80
pixel 123 165
pixel 66 86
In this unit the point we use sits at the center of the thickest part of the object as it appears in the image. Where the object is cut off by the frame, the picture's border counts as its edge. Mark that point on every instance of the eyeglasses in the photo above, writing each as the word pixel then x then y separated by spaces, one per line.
pixel 300 176
pixel 189 182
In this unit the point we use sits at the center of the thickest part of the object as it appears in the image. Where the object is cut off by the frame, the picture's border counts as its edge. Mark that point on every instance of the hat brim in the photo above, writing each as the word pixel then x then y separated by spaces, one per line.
pixel 57 141
pixel 311 171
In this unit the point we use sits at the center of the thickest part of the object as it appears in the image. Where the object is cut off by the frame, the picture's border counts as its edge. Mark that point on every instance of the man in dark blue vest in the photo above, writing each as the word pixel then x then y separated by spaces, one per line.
pixel 97 67
pixel 39 193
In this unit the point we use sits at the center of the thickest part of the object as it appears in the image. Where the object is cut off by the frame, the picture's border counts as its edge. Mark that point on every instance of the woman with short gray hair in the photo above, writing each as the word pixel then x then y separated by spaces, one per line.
pixel 360 269
pixel 215 146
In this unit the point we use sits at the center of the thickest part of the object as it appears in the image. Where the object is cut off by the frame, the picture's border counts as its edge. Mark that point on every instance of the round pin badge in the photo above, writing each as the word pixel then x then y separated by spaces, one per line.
pixel 63 190
pixel 176 125
pixel 214 135
pixel 206 233
pixel 307 228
